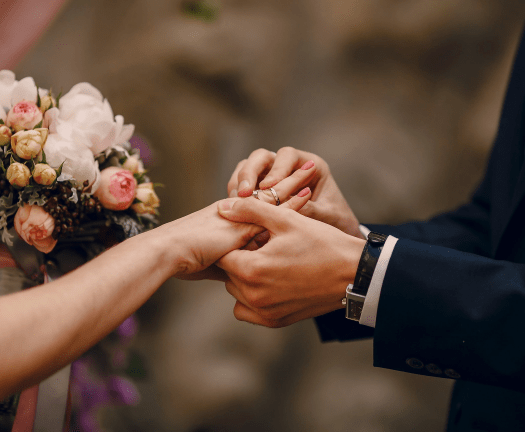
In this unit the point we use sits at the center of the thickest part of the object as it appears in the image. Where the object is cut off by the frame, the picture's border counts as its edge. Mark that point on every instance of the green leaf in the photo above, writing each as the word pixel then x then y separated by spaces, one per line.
pixel 58 99
pixel 39 125
pixel 38 100
pixel 59 169
pixel 1 122
pixel 43 157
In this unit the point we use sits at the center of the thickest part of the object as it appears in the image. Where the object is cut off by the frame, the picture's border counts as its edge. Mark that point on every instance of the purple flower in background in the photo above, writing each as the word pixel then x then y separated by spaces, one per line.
pixel 128 329
pixel 146 153
pixel 94 387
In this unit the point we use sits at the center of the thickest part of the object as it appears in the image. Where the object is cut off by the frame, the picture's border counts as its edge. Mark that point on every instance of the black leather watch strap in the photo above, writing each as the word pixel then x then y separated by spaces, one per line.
pixel 368 262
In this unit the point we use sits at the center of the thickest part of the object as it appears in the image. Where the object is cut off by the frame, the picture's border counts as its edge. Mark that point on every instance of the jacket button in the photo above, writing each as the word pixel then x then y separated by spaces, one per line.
pixel 415 363
pixel 434 369
pixel 451 373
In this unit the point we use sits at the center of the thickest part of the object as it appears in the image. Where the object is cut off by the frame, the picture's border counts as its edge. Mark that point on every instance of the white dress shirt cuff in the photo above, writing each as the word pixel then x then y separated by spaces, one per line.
pixel 368 316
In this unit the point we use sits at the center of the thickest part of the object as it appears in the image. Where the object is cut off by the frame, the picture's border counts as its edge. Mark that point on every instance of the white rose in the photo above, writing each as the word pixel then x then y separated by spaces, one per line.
pixel 87 117
pixel 79 162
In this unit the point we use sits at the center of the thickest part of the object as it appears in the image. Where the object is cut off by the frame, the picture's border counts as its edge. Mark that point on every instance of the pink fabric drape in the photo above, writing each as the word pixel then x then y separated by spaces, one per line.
pixel 21 24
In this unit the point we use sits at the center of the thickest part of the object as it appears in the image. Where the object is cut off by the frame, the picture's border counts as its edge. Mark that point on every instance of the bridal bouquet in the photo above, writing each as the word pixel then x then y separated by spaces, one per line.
pixel 67 167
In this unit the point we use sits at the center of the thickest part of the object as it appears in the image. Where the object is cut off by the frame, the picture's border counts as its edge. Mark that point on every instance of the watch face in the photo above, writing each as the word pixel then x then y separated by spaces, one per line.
pixel 376 239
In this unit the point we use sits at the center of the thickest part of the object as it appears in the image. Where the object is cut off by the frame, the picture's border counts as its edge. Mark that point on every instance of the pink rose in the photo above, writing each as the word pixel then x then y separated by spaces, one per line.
pixel 35 226
pixel 24 115
pixel 117 188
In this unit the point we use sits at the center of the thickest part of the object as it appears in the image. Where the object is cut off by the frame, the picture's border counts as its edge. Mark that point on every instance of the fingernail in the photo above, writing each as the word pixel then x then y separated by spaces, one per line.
pixel 308 165
pixel 233 193
pixel 244 184
pixel 225 206
pixel 304 192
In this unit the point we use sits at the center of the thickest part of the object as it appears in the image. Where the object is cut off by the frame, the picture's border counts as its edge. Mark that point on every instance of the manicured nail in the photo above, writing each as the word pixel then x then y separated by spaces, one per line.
pixel 308 165
pixel 244 184
pixel 304 192
pixel 225 206
pixel 233 193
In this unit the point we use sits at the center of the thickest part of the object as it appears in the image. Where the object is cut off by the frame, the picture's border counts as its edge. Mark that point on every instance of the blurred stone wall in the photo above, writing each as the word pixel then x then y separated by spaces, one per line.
pixel 401 97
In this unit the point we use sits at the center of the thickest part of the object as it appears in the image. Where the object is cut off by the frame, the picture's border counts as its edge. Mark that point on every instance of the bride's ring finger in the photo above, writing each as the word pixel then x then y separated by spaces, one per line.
pixel 289 186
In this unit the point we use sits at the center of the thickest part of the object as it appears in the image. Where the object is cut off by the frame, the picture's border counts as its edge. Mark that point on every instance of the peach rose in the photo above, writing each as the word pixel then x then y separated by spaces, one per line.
pixel 116 190
pixel 149 201
pixel 24 115
pixel 35 226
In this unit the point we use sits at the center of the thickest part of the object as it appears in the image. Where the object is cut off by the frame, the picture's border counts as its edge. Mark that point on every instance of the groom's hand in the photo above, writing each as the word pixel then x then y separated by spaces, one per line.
pixel 301 272
pixel 212 236
pixel 265 169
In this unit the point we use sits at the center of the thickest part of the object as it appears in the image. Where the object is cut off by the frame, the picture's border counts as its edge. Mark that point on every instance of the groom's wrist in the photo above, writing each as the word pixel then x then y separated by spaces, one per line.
pixel 353 250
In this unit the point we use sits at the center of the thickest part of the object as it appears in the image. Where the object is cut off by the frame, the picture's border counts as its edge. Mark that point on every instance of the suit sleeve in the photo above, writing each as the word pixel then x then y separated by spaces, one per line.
pixel 444 310
pixel 465 229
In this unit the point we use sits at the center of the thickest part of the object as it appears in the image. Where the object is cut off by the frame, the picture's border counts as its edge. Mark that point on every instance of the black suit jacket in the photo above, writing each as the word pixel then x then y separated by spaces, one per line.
pixel 453 299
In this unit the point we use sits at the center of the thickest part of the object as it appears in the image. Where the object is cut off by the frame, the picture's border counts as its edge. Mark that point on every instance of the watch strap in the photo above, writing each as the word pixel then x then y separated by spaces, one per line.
pixel 368 262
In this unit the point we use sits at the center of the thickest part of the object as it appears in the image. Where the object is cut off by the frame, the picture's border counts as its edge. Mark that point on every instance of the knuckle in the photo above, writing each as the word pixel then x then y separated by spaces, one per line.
pixel 260 152
pixel 245 172
pixel 252 273
pixel 254 298
pixel 286 150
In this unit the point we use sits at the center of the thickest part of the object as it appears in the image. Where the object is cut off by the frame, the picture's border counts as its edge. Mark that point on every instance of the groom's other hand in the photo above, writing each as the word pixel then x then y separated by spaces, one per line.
pixel 300 273
pixel 265 169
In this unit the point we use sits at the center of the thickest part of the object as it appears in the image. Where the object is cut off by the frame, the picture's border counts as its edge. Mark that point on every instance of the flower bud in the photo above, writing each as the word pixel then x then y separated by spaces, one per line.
pixel 24 115
pixel 44 174
pixel 18 174
pixel 149 201
pixel 5 135
pixel 47 102
pixel 134 164
pixel 28 144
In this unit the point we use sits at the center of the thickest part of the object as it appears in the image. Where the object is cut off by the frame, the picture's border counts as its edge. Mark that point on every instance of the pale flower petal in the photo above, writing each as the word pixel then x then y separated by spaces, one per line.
pixel 126 133
pixel 25 89
pixel 78 159
pixel 90 120
pixel 7 84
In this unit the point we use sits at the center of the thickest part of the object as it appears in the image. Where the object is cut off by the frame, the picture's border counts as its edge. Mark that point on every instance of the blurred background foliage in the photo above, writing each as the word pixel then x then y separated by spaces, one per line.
pixel 400 97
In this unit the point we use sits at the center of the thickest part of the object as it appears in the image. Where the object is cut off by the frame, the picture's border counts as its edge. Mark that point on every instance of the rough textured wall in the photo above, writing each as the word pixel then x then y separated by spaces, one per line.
pixel 401 97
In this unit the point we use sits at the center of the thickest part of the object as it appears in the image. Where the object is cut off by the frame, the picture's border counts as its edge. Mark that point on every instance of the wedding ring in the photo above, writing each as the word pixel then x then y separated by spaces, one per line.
pixel 277 200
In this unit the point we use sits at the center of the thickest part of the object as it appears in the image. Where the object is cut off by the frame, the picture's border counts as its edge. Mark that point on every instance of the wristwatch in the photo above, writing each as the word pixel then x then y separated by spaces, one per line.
pixel 356 292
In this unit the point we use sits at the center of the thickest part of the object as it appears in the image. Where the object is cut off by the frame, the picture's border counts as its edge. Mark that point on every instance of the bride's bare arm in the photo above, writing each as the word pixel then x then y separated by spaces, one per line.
pixel 47 327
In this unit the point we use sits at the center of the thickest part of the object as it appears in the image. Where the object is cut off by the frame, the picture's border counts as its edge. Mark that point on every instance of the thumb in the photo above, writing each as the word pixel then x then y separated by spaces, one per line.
pixel 253 211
